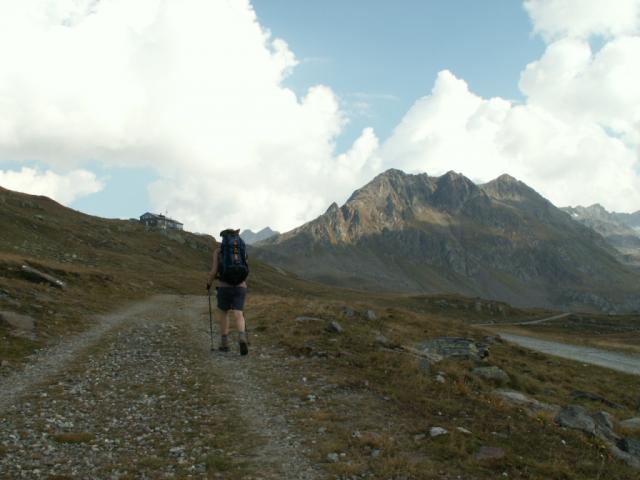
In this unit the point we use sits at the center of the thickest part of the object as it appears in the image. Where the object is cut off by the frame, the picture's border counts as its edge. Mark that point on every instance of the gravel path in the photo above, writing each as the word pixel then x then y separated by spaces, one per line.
pixel 141 396
pixel 48 362
pixel 616 361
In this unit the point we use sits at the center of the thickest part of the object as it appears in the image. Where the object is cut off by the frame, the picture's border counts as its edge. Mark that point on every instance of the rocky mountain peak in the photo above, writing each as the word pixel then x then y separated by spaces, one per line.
pixel 506 178
pixel 453 190
pixel 333 208
pixel 506 187
pixel 251 237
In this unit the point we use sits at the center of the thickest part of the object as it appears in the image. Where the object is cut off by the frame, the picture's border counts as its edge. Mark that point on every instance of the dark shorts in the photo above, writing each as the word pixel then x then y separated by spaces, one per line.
pixel 231 298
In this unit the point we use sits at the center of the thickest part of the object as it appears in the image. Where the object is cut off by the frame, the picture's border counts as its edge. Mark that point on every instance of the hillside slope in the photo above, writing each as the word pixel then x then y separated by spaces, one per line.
pixel 499 240
pixel 102 263
pixel 621 230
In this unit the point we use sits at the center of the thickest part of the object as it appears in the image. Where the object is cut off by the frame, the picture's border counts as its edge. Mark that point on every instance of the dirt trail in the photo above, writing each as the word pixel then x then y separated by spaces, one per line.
pixel 48 362
pixel 141 396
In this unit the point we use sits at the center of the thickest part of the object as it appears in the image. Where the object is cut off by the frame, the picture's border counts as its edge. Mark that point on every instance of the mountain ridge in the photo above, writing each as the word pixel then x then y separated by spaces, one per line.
pixel 419 233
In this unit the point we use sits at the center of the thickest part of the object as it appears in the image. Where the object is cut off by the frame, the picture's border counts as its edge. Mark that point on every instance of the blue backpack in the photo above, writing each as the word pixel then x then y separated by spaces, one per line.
pixel 233 268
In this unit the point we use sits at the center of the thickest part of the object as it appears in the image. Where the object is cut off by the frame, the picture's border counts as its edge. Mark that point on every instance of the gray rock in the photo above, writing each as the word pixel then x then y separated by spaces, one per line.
pixel 454 347
pixel 440 378
pixel 604 426
pixel 37 276
pixel 371 315
pixel 632 424
pixel 16 320
pixel 333 457
pixel 334 327
pixel 437 431
pixel 530 405
pixel 603 419
pixel 626 457
pixel 348 312
pixel 631 446
pixel 492 373
pixel 463 430
pixel 577 418
pixel 489 453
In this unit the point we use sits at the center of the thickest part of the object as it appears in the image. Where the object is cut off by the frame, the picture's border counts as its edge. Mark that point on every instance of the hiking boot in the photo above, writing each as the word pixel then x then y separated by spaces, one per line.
pixel 224 344
pixel 242 342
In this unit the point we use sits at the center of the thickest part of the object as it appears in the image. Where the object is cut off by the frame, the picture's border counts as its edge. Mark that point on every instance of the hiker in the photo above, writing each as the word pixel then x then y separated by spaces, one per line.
pixel 229 273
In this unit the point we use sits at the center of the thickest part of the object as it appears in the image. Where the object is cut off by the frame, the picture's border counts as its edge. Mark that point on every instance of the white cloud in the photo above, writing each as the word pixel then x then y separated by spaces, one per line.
pixel 570 159
pixel 192 88
pixel 583 18
pixel 575 138
pixel 580 86
pixel 62 188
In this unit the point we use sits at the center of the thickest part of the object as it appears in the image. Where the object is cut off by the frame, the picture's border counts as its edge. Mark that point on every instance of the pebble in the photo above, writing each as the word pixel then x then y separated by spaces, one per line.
pixel 333 457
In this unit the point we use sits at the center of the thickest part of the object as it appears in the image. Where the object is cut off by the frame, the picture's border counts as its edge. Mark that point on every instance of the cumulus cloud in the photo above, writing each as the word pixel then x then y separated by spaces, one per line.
pixel 192 88
pixel 62 188
pixel 555 19
pixel 575 137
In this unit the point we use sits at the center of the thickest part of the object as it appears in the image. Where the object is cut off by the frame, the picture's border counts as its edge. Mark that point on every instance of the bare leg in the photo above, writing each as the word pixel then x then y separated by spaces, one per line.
pixel 223 321
pixel 239 316
pixel 242 336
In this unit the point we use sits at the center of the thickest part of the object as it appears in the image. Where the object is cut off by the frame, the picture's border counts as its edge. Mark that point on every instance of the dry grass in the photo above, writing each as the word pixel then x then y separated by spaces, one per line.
pixel 383 394
pixel 390 400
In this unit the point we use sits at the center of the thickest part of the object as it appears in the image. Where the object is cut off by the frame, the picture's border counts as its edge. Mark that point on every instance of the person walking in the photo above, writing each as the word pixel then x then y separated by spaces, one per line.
pixel 229 273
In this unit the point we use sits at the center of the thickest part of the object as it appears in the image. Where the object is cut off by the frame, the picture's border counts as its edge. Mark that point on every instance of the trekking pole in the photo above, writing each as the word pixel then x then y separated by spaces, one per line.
pixel 210 319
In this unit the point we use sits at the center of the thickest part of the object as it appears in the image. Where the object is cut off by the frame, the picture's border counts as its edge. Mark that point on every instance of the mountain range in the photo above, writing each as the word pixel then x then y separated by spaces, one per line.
pixel 621 230
pixel 251 237
pixel 499 240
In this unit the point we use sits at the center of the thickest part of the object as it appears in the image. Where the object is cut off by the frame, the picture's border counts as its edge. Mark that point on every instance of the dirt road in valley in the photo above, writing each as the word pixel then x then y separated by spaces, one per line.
pixel 622 362
pixel 140 395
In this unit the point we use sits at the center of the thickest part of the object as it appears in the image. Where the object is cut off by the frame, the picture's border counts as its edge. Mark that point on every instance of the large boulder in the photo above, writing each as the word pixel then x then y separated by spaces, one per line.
pixel 632 424
pixel 577 418
pixel 631 446
pixel 454 348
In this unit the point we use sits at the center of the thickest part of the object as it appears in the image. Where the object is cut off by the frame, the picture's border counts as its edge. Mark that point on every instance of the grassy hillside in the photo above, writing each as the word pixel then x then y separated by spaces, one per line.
pixel 103 264
pixel 350 393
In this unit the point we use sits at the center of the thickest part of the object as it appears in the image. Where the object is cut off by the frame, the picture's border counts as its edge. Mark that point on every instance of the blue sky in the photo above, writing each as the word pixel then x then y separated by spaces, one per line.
pixel 378 57
pixel 187 106
pixel 388 53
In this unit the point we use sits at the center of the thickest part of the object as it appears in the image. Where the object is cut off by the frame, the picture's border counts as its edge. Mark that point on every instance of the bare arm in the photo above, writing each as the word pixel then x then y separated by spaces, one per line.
pixel 214 267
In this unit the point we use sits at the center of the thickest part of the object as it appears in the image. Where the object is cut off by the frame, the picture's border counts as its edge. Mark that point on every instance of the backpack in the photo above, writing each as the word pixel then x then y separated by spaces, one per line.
pixel 233 268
